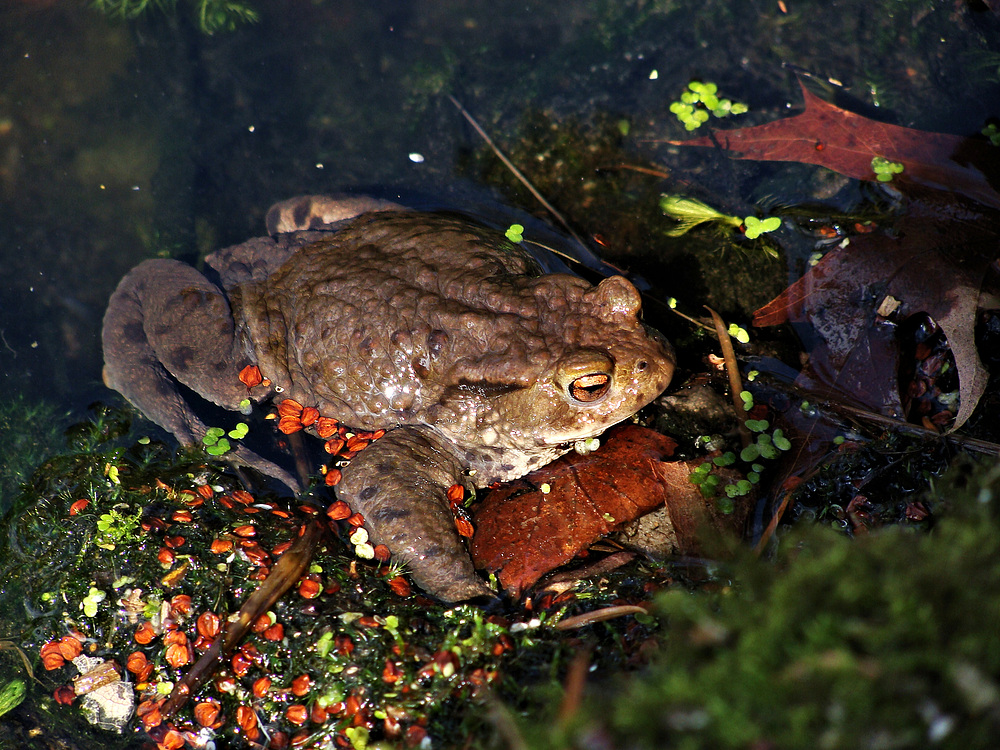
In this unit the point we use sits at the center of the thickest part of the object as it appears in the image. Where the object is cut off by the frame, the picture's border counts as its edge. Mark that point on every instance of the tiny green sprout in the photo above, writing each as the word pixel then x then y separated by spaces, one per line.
pixel 515 233
pixel 725 504
pixel 221 448
pixel 750 453
pixel 672 303
pixel 359 735
pixel 756 227
pixel 757 425
pixel 747 399
pixel 738 489
pixel 94 597
pixel 839 440
pixel 111 471
pixel 740 334
pixel 240 431
pixel 212 435
pixel 215 443
pixel 885 169
pixel 624 126
pixel 143 440
pixel 726 459
pixel 246 407
pixel 324 645
pixel 765 446
pixel 780 441
pixel 689 213
pixel 992 132
pixel 752 375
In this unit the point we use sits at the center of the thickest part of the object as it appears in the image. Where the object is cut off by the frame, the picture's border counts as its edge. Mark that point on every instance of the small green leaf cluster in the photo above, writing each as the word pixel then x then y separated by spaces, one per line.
pixel 756 227
pixel 689 213
pixel 91 602
pixel 885 169
pixel 215 441
pixel 515 233
pixel 992 133
pixel 701 99
pixel 766 446
pixel 117 527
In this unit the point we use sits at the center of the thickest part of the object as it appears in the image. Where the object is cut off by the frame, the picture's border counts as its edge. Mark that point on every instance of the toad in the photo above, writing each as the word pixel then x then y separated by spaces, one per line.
pixel 435 329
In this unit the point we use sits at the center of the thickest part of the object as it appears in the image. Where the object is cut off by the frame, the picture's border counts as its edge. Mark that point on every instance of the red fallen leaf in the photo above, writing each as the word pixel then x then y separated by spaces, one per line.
pixel 845 142
pixel 524 533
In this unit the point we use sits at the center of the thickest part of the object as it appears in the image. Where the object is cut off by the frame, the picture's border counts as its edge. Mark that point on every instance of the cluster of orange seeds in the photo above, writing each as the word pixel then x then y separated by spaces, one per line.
pixel 463 522
pixel 56 653
pixel 341 443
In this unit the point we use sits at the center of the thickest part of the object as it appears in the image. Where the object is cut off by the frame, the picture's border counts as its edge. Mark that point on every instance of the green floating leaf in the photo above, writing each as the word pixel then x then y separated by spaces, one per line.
pixel 756 227
pixel 240 431
pixel 220 448
pixel 885 169
pixel 780 441
pixel 515 233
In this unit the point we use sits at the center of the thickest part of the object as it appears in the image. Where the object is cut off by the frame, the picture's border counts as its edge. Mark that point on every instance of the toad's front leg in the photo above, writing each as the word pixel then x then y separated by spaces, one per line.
pixel 167 323
pixel 399 484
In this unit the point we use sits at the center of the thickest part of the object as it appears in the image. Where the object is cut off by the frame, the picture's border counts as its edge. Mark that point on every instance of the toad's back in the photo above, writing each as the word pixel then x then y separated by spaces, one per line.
pixel 402 318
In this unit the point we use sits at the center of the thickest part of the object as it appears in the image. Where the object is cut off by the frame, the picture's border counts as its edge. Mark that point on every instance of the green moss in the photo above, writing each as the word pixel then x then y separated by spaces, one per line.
pixel 888 640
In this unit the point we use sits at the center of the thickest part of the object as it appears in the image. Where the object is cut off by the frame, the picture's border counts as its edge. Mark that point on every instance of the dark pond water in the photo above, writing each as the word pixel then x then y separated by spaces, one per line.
pixel 120 142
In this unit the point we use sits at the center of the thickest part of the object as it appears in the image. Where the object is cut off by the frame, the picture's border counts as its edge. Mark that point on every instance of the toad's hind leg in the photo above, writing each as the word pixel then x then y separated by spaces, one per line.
pixel 399 484
pixel 165 321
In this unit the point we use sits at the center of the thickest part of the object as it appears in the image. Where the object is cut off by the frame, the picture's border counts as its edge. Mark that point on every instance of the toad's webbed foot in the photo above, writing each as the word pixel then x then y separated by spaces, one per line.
pixel 399 484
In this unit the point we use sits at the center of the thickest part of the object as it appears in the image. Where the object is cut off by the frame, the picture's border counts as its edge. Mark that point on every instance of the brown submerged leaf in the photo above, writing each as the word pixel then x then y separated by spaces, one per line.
pixel 935 263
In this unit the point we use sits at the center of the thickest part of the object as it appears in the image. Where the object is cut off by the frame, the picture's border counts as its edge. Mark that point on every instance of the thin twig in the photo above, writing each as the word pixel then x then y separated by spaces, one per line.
pixel 599 615
pixel 733 370
pixel 515 171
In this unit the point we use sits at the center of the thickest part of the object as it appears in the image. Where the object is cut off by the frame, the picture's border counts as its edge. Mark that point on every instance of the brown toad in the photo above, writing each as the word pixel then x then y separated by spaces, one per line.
pixel 431 327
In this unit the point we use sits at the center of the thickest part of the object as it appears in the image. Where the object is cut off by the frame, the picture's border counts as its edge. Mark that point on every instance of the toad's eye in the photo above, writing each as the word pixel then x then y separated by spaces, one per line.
pixel 588 388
